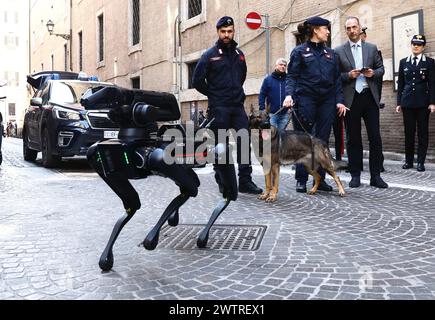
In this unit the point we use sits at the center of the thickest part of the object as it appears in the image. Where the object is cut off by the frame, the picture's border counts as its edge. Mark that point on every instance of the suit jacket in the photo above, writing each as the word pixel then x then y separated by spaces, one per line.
pixel 371 59
pixel 416 83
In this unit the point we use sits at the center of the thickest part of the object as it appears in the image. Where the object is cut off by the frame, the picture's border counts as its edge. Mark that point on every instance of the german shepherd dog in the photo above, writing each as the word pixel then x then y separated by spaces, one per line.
pixel 288 147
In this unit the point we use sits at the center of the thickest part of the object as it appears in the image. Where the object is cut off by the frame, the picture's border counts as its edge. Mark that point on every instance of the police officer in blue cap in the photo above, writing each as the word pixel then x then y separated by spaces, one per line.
pixel 314 89
pixel 220 74
pixel 416 99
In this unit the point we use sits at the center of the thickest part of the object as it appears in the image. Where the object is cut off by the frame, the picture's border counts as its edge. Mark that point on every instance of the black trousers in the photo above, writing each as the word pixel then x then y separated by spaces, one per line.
pixel 234 117
pixel 416 119
pixel 364 107
pixel 1 138
pixel 338 131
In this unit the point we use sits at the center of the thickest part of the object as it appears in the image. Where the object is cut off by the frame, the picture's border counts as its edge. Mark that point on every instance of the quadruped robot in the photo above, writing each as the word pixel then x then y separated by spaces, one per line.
pixel 139 152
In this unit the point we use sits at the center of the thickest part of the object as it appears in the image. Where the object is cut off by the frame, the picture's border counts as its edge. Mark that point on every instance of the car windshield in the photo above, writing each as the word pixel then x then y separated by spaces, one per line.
pixel 69 92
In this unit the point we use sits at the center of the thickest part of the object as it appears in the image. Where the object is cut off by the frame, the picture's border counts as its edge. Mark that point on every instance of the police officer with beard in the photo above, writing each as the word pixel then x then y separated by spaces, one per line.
pixel 220 74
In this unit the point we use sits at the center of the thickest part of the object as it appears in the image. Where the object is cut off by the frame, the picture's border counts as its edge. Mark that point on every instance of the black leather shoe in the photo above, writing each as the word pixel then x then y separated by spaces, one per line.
pixel 324 186
pixel 250 187
pixel 420 167
pixel 355 182
pixel 407 165
pixel 378 183
pixel 301 187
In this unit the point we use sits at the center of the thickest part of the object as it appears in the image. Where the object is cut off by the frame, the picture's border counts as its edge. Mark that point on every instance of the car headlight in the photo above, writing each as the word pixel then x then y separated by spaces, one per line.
pixel 66 114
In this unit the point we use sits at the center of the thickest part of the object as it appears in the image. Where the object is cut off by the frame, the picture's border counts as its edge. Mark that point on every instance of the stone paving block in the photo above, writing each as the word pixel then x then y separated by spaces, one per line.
pixel 55 256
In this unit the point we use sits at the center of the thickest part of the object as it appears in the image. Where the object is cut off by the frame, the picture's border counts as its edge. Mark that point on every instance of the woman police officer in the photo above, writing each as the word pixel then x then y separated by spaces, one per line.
pixel 314 88
pixel 416 99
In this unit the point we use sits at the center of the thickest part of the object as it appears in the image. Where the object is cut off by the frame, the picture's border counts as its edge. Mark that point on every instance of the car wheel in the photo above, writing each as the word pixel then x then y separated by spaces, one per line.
pixel 48 159
pixel 28 154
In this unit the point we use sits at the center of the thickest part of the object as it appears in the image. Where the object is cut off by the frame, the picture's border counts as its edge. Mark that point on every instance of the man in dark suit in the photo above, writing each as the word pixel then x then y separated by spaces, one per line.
pixel 379 82
pixel 416 99
pixel 360 66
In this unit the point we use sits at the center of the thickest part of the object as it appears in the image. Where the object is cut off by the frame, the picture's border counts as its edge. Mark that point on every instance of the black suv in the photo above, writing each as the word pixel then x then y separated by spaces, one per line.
pixel 56 124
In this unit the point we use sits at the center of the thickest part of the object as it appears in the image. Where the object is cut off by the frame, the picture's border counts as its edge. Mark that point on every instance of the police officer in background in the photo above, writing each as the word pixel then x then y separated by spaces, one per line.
pixel 220 74
pixel 416 99
pixel 314 87
pixel 2 134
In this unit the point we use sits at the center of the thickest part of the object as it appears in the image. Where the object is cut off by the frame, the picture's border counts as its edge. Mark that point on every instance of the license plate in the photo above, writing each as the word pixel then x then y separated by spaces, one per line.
pixel 111 134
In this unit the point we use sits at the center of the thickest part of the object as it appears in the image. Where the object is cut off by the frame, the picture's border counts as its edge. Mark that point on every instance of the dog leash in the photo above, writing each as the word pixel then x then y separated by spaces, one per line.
pixel 309 134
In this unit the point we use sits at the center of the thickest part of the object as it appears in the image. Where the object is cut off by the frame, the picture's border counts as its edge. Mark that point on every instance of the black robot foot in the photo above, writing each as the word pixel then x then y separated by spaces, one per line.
pixel 106 262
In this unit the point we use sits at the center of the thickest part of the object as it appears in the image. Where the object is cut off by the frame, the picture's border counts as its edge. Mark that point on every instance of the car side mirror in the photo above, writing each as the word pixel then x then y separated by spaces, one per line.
pixel 36 102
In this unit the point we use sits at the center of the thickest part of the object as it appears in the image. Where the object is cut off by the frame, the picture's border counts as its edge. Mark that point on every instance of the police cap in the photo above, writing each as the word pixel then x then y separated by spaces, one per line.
pixel 317 21
pixel 419 39
pixel 224 22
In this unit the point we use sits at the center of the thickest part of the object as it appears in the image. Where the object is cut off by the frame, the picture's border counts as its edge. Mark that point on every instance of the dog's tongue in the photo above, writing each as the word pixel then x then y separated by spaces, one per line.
pixel 265 134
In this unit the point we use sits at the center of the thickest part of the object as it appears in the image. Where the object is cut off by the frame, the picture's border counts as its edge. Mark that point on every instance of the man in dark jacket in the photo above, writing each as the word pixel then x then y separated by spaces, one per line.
pixel 220 74
pixel 272 93
pixel 360 66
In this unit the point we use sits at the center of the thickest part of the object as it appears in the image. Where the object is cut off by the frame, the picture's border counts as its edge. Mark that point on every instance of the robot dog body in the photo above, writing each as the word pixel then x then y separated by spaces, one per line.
pixel 139 152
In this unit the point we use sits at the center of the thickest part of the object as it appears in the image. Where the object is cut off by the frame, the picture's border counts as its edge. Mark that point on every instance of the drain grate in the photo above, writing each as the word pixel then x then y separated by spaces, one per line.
pixel 221 237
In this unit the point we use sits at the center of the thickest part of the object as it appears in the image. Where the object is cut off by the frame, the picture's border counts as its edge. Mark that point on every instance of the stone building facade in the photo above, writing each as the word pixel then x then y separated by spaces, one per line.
pixel 154 45
pixel 14 59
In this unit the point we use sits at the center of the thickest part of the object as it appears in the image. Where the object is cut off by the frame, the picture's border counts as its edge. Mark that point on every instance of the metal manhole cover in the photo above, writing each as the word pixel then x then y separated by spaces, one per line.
pixel 222 237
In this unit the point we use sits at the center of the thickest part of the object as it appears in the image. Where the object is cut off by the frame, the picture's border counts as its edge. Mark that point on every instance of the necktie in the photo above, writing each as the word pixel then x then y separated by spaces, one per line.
pixel 358 64
pixel 415 61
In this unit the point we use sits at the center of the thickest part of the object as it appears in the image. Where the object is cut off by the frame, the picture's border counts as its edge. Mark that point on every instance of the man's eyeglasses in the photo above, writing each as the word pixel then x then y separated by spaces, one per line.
pixel 417 44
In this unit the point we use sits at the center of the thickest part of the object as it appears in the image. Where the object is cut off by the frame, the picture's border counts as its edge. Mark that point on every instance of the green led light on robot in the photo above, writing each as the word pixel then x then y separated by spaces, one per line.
pixel 126 158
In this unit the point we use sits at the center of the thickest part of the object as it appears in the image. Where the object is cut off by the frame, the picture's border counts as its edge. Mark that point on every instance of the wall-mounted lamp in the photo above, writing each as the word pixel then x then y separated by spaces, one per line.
pixel 50 28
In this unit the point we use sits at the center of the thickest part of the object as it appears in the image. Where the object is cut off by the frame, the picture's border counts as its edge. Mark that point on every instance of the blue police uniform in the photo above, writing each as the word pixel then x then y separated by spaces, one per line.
pixel 416 91
pixel 220 74
pixel 313 81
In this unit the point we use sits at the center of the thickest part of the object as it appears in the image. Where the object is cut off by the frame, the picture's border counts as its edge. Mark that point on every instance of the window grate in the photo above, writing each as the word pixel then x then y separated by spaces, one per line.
pixel 136 21
pixel 195 8
pixel 65 56
pixel 101 38
pixel 80 51
pixel 191 69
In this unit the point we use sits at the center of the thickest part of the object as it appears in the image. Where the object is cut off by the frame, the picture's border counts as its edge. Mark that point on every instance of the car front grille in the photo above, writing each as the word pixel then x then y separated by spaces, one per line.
pixel 100 120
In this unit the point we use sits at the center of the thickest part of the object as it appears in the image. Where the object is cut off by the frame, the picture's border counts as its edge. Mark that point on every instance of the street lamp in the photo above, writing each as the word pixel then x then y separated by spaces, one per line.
pixel 50 28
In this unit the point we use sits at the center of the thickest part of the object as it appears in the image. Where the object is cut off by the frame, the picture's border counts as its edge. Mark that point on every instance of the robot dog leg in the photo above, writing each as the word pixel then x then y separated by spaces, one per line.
pixel 225 175
pixel 122 187
pixel 185 178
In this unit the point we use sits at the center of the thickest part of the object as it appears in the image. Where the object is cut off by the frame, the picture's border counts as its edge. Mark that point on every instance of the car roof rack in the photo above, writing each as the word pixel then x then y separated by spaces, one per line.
pixel 37 80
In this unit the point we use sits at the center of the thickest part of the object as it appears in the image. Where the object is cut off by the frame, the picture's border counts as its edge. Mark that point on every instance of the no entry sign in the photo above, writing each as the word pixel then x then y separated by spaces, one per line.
pixel 253 20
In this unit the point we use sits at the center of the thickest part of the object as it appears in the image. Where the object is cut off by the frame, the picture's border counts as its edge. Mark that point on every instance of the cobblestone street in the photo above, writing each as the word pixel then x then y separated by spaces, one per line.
pixel 372 244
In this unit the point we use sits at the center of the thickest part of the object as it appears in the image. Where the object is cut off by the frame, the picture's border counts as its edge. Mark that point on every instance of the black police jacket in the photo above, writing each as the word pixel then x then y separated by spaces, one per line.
pixel 220 74
pixel 416 85
pixel 314 71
